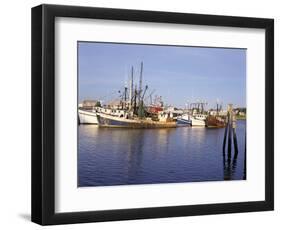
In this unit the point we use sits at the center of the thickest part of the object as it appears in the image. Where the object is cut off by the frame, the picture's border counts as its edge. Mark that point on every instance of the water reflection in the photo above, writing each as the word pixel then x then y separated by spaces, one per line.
pixel 119 156
pixel 229 165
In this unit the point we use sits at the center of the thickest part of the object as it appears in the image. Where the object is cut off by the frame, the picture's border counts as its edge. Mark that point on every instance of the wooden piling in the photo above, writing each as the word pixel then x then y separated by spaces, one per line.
pixel 225 134
pixel 229 130
pixel 234 135
pixel 235 141
pixel 229 134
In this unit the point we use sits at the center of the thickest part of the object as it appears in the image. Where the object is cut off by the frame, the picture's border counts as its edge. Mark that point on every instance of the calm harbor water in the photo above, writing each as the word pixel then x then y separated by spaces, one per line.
pixel 115 156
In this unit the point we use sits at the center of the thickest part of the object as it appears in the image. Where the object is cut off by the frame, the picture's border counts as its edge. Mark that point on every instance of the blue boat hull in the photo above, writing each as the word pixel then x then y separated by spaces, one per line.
pixel 183 122
pixel 110 121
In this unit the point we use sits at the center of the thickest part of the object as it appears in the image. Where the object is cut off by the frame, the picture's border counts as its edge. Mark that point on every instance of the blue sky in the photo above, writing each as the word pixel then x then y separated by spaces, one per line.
pixel 179 74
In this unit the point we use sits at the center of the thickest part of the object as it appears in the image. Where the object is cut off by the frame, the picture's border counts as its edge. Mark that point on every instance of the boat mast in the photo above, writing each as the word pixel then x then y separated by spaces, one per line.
pixel 125 96
pixel 131 87
pixel 140 84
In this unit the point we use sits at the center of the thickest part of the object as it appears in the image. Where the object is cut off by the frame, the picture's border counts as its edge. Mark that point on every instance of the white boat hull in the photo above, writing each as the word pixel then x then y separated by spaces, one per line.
pixel 198 122
pixel 87 117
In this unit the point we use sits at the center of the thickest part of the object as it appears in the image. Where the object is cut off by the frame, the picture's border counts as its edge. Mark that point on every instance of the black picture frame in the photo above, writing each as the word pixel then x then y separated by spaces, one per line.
pixel 43 114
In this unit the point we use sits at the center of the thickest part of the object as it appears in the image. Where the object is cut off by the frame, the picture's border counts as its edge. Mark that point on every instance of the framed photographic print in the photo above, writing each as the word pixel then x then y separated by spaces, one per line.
pixel 142 114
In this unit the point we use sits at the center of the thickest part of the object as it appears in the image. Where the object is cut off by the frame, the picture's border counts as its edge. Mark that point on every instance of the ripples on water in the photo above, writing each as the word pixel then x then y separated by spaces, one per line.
pixel 116 156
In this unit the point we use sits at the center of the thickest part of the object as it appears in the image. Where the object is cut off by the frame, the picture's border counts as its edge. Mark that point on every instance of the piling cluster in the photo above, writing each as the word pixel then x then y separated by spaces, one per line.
pixel 230 131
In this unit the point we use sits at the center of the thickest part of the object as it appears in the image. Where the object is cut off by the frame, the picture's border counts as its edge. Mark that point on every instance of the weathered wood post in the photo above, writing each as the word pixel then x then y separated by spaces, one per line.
pixel 229 129
pixel 225 133
pixel 230 132
pixel 234 135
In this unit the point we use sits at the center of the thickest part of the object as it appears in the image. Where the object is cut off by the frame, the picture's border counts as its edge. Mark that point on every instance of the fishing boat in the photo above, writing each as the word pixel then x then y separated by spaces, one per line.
pixel 197 114
pixel 122 119
pixel 198 120
pixel 215 121
pixel 131 111
pixel 216 118
pixel 87 116
pixel 184 120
